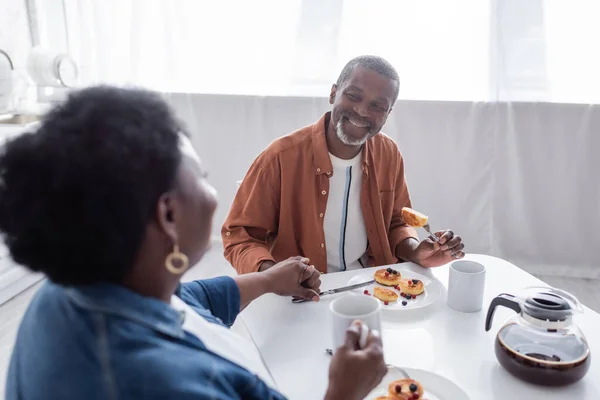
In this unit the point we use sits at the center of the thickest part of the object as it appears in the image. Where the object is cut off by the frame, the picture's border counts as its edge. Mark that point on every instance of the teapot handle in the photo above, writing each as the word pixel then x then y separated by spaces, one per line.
pixel 504 299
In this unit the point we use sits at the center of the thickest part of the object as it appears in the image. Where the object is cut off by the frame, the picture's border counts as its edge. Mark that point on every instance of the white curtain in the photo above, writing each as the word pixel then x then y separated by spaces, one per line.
pixel 195 46
pixel 572 36
pixel 273 47
pixel 473 50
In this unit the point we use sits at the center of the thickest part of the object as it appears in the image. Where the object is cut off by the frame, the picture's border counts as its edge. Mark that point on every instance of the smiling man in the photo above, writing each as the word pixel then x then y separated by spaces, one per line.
pixel 333 191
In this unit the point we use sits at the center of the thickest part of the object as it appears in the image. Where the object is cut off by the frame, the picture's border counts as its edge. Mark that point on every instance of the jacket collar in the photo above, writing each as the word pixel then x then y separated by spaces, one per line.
pixel 321 159
pixel 117 300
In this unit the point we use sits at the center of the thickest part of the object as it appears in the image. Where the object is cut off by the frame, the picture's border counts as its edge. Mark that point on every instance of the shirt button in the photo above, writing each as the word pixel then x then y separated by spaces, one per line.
pixel 318 169
pixel 323 192
pixel 228 234
pixel 321 215
pixel 322 245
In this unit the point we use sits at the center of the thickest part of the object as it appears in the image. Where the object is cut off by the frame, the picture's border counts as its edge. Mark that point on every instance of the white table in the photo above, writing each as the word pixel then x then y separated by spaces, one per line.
pixel 292 339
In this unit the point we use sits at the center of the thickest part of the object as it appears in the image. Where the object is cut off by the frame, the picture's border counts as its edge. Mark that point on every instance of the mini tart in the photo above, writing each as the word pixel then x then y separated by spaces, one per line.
pixel 413 218
pixel 413 287
pixel 405 392
pixel 391 279
pixel 384 294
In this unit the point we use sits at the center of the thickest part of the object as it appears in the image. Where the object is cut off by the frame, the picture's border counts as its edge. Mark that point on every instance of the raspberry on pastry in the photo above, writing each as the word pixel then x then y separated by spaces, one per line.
pixel 414 287
pixel 385 295
pixel 387 277
pixel 405 389
pixel 413 218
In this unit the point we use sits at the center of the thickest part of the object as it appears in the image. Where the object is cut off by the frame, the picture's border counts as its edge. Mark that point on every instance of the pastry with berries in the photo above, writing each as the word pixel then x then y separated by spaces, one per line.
pixel 388 277
pixel 411 287
pixel 405 389
pixel 385 295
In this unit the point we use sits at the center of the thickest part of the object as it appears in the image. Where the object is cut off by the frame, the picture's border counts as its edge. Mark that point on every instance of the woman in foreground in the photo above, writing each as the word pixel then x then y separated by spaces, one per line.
pixel 109 199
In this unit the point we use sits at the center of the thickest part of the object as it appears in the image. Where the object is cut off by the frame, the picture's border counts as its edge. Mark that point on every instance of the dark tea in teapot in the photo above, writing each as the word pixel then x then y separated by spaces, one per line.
pixel 541 344
pixel 551 364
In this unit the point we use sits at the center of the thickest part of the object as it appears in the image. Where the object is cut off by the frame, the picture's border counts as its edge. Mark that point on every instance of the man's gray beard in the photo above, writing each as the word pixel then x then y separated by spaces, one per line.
pixel 346 139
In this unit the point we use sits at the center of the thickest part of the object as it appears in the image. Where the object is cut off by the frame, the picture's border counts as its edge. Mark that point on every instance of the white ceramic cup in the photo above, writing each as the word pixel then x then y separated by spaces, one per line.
pixel 466 285
pixel 347 309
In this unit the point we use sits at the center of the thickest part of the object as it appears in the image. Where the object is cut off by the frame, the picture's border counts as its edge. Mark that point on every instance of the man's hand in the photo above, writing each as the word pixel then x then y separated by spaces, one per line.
pixel 294 277
pixel 429 253
pixel 432 254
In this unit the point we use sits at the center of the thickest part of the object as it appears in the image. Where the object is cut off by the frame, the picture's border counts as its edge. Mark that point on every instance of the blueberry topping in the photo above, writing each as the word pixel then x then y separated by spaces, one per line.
pixel 413 387
pixel 395 272
pixel 404 303
pixel 415 281
pixel 389 270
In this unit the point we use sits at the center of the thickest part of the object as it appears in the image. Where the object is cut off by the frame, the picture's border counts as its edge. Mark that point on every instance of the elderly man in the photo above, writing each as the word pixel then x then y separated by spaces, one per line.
pixel 333 191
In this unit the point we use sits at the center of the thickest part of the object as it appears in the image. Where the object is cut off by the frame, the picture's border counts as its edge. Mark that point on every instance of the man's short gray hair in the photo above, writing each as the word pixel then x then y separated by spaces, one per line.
pixel 374 63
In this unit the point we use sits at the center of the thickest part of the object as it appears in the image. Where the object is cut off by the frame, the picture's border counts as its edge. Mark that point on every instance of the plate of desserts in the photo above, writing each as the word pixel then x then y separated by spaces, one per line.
pixel 399 289
pixel 422 385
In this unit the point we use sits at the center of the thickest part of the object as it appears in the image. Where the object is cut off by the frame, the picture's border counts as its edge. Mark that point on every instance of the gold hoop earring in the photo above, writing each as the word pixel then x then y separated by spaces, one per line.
pixel 177 262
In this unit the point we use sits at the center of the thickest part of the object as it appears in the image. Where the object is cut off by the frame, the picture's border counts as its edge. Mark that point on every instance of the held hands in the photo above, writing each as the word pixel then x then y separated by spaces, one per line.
pixel 294 277
pixel 432 254
pixel 354 372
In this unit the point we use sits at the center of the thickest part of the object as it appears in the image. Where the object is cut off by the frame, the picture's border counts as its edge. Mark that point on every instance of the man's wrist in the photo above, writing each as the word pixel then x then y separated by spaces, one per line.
pixel 407 249
pixel 265 265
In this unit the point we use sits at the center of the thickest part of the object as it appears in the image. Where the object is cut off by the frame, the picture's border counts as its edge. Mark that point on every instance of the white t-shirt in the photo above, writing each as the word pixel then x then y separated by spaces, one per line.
pixel 344 226
pixel 224 342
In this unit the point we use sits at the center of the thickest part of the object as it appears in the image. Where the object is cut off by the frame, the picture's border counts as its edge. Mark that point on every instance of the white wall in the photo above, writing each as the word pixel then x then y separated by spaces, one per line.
pixel 517 181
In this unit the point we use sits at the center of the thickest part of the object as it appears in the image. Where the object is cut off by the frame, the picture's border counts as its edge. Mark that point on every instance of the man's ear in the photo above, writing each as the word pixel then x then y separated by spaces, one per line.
pixel 332 93
pixel 167 215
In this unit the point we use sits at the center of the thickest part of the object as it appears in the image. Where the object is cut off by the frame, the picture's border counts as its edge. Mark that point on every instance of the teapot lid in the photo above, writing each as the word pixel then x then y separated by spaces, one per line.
pixel 548 304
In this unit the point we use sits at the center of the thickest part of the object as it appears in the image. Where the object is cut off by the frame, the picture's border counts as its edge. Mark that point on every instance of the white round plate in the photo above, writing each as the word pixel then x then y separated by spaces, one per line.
pixel 433 290
pixel 435 386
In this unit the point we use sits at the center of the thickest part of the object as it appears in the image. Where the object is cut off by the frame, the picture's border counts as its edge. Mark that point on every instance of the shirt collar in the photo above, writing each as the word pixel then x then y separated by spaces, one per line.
pixel 117 300
pixel 321 160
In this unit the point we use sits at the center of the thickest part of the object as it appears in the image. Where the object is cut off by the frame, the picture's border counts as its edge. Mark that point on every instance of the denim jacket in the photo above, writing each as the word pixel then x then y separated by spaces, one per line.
pixel 107 342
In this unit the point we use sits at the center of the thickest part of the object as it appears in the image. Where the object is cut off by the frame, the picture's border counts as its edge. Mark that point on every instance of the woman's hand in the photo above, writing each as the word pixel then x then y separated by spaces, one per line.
pixel 354 372
pixel 294 277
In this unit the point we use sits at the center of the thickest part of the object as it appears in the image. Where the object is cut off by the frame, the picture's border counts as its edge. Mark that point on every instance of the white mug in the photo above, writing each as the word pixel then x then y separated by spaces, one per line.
pixel 347 309
pixel 466 285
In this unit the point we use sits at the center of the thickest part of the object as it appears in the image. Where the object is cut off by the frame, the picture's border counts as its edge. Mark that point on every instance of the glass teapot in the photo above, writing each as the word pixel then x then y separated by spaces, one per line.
pixel 541 344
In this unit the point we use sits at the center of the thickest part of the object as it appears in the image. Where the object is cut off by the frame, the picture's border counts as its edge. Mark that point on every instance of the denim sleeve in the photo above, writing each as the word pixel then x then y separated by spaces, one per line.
pixel 214 392
pixel 215 389
pixel 188 375
pixel 221 296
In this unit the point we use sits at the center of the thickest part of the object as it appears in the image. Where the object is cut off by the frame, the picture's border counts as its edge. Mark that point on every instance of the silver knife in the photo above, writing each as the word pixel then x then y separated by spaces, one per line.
pixel 338 290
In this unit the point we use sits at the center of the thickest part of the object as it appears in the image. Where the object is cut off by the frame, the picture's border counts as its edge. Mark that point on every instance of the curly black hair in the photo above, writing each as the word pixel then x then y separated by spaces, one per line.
pixel 77 195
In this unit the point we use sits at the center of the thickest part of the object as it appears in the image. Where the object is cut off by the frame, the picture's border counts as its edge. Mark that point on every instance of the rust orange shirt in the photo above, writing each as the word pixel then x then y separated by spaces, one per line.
pixel 278 210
